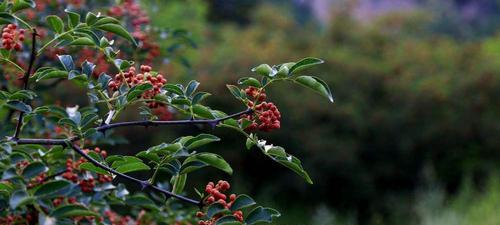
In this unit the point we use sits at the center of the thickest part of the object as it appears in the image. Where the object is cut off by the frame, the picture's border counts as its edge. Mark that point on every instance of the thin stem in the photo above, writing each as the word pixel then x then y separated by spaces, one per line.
pixel 23 22
pixel 52 41
pixel 26 79
pixel 13 63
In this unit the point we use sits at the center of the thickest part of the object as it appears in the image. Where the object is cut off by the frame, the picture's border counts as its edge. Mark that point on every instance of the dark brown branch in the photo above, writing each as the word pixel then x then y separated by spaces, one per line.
pixel 26 79
pixel 146 123
pixel 144 184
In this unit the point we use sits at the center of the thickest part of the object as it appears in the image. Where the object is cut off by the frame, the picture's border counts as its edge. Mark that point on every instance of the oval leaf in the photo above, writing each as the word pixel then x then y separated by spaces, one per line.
pixel 317 85
pixel 34 169
pixel 242 201
pixel 118 30
pixel 212 160
pixel 52 188
pixel 55 23
pixel 72 210
pixel 304 64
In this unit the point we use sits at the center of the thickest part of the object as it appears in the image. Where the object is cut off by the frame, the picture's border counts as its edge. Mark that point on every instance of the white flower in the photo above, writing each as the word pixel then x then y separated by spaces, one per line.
pixel 72 111
pixel 261 143
pixel 110 116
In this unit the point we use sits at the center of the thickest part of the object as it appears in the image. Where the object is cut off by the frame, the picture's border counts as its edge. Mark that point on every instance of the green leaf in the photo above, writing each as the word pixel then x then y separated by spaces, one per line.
pixel 214 209
pixel 6 18
pixel 188 167
pixel 19 106
pixel 179 183
pixel 260 214
pixel 304 64
pixel 67 62
pixel 82 41
pixel 106 20
pixel 91 167
pixel 138 90
pixel 165 149
pixel 198 97
pixel 172 88
pixel 202 111
pixel 71 211
pixel 49 74
pixel 55 23
pixel 279 155
pixel 212 160
pixel 118 30
pixel 241 202
pixel 22 4
pixel 90 18
pixel 34 169
pixel 132 167
pixel 250 81
pixel 52 188
pixel 263 69
pixel 4 5
pixel 22 95
pixel 73 18
pixel 228 220
pixel 19 198
pixel 191 87
pixel 249 143
pixel 317 85
pixel 294 164
pixel 200 140
pixel 235 91
pixel 6 187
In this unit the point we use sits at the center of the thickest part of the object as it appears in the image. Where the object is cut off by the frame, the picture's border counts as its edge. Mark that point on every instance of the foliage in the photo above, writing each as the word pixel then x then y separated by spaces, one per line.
pixel 59 176
pixel 412 99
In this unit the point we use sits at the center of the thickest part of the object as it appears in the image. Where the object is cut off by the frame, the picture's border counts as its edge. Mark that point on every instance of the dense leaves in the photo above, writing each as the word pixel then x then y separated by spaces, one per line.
pixel 59 176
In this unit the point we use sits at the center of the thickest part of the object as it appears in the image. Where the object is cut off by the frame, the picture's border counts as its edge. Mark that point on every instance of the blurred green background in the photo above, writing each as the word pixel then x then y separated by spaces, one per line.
pixel 414 135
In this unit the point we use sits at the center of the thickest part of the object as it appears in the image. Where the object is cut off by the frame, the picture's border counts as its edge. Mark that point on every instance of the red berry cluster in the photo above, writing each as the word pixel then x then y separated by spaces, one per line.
pixel 215 195
pixel 266 117
pixel 146 76
pixel 72 170
pixel 12 37
pixel 256 94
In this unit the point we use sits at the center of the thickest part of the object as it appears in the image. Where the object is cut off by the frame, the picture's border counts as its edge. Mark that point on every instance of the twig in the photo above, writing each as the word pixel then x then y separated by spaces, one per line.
pixel 144 184
pixel 26 79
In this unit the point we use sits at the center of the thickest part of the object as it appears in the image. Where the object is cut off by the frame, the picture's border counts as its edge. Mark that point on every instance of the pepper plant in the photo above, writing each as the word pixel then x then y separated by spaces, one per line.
pixel 53 170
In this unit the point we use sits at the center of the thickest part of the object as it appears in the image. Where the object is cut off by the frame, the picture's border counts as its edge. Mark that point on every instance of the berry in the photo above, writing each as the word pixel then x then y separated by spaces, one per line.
pixel 132 78
pixel 12 37
pixel 266 117
pixel 216 195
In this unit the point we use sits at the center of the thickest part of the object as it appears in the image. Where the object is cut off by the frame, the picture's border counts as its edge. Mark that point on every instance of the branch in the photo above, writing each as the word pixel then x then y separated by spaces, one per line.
pixel 146 123
pixel 144 184
pixel 26 79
